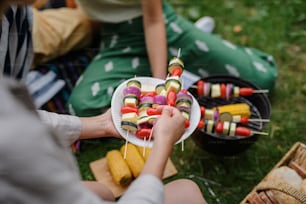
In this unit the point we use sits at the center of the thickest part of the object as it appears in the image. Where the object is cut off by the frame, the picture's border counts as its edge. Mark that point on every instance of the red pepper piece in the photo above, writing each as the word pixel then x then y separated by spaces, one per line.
pixel 245 91
pixel 152 94
pixel 171 98
pixel 200 88
pixel 177 71
pixel 153 111
pixel 128 109
pixel 143 133
pixel 243 131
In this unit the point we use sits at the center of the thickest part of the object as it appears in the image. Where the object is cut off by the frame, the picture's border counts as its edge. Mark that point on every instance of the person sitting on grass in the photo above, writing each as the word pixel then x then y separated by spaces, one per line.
pixel 138 38
pixel 36 165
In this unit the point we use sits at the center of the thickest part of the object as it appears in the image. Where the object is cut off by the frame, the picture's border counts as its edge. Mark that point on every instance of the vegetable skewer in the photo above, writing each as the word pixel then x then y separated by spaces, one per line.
pixel 227 128
pixel 223 90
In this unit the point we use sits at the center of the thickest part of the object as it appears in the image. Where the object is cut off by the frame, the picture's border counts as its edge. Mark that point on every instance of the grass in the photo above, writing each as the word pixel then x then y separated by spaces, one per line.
pixel 276 27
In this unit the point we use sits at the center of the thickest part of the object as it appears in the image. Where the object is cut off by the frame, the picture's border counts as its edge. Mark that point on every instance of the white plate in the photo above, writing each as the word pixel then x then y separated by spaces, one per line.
pixel 149 82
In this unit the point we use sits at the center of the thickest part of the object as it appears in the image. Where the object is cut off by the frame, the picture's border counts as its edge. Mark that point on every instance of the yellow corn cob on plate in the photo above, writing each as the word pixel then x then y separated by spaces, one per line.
pixel 118 168
pixel 133 158
pixel 102 173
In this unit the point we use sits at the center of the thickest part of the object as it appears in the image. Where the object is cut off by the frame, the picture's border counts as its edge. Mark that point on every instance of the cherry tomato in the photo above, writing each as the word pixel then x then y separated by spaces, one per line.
pixel 200 88
pixel 202 109
pixel 201 124
pixel 243 131
pixel 223 91
pixel 187 123
pixel 244 120
pixel 245 91
pixel 219 127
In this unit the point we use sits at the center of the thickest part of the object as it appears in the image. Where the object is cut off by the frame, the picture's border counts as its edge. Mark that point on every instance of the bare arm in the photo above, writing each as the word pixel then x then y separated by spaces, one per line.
pixel 98 126
pixel 72 128
pixel 155 37
pixel 168 129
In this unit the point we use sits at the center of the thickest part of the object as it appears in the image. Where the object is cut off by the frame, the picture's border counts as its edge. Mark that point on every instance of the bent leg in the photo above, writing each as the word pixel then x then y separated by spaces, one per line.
pixel 183 191
pixel 95 88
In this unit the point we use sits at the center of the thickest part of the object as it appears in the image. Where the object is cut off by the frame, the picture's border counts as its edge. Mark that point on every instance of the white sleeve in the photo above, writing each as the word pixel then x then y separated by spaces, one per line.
pixel 146 189
pixel 67 126
pixel 36 168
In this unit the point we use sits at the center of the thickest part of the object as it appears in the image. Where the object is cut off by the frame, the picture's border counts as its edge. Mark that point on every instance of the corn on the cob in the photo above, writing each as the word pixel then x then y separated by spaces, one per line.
pixel 133 158
pixel 145 152
pixel 118 168
pixel 241 109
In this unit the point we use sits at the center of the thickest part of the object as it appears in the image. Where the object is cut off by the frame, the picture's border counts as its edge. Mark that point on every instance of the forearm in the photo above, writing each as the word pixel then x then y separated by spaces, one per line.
pixel 155 37
pixel 157 161
pixel 167 130
pixel 157 51
pixel 72 128
pixel 95 127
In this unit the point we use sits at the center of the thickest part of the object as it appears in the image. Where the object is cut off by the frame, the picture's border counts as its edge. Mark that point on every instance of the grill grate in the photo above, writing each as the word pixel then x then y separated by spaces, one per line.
pixel 209 103
pixel 258 103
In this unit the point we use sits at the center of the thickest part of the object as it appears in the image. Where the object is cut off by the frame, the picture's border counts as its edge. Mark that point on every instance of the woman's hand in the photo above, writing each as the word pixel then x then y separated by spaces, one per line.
pixel 168 129
pixel 170 126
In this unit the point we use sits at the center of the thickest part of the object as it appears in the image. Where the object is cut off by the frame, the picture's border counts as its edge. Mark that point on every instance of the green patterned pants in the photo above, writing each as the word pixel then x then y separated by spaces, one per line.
pixel 123 55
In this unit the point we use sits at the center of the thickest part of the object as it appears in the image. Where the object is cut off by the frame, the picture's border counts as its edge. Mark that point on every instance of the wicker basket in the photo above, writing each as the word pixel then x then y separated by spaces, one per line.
pixel 295 158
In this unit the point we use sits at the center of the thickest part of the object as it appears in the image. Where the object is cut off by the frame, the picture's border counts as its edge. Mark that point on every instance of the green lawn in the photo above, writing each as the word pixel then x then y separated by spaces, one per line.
pixel 276 27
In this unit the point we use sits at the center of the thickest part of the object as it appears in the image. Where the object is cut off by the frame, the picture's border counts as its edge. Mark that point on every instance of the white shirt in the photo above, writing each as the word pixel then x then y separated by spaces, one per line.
pixel 111 11
pixel 36 167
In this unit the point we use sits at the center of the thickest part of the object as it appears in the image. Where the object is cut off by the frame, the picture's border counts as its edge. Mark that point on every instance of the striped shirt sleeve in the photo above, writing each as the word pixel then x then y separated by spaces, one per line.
pixel 16 49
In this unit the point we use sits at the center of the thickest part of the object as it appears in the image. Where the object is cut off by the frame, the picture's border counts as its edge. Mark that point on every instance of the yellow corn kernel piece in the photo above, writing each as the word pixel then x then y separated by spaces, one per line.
pixel 118 168
pixel 241 109
pixel 144 151
pixel 133 158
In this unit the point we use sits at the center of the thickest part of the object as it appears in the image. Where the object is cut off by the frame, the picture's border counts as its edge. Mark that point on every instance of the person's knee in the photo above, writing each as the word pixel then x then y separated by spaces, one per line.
pixel 188 184
pixel 182 190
